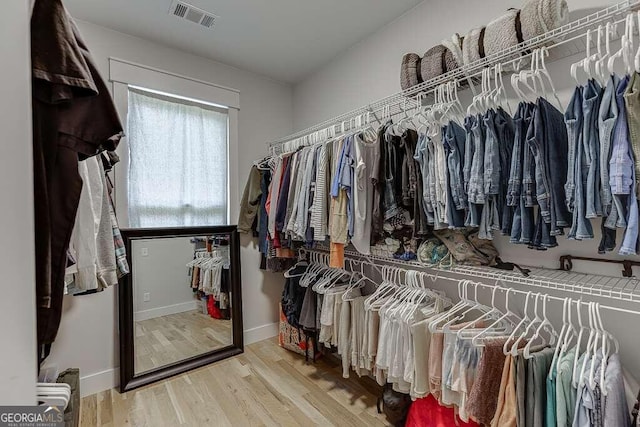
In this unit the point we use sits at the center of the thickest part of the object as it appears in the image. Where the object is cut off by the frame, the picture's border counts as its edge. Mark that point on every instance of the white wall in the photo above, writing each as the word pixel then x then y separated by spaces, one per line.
pixel 88 336
pixel 370 71
pixel 17 306
pixel 159 269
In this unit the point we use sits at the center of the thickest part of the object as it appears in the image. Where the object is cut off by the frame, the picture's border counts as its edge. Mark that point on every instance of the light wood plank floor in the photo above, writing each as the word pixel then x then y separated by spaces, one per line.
pixel 167 339
pixel 266 385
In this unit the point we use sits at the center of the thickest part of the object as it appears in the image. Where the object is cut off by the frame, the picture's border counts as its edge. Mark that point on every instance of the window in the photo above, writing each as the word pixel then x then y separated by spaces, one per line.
pixel 178 161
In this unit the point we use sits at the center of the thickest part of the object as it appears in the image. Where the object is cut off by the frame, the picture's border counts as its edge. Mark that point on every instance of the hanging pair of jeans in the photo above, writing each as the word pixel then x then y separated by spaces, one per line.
pixel 591 107
pixel 574 121
pixel 622 175
pixel 553 133
pixel 422 157
pixel 453 140
pixel 476 177
pixel 607 118
pixel 523 223
pixel 505 132
pixel 515 196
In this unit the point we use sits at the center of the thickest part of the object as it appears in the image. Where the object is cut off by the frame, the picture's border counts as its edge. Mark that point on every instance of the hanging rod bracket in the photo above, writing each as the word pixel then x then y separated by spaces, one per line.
pixel 566 263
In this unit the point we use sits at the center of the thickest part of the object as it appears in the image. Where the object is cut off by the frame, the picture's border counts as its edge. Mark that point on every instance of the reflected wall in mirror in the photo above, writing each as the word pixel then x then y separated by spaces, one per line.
pixel 183 298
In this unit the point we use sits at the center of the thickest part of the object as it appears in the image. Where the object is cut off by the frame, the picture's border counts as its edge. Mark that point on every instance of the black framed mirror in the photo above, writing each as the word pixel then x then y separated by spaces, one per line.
pixel 181 306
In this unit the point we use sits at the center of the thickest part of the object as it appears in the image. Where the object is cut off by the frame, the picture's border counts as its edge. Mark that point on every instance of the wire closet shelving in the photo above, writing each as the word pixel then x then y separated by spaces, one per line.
pixel 614 288
pixel 561 42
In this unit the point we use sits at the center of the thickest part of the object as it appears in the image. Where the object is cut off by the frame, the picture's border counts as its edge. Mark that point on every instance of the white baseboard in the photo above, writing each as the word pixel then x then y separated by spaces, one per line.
pixel 260 333
pixel 105 380
pixel 165 311
pixel 100 381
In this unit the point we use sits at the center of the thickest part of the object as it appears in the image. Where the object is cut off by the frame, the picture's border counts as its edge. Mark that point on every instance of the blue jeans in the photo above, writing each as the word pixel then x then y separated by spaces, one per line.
pixel 591 141
pixel 491 155
pixel 574 119
pixel 607 117
pixel 505 132
pixel 476 176
pixel 454 143
pixel 453 135
pixel 514 185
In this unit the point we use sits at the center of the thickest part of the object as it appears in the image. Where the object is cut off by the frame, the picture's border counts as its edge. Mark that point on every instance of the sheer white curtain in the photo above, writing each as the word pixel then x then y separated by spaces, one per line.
pixel 177 162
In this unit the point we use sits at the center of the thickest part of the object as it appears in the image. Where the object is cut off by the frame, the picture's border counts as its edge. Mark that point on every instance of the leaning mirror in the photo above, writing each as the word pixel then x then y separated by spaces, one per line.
pixel 181 306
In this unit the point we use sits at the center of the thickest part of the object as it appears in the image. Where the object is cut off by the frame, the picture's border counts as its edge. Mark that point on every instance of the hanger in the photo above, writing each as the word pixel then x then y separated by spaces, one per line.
pixel 544 325
pixel 474 305
pixel 579 342
pixel 543 72
pixel 521 324
pixel 530 326
pixel 487 315
pixel 459 306
pixel 590 344
pixel 492 331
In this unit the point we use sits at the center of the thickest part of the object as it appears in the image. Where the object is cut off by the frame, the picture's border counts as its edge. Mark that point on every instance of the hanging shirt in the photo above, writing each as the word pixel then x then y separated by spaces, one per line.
pixel 565 393
pixel 366 156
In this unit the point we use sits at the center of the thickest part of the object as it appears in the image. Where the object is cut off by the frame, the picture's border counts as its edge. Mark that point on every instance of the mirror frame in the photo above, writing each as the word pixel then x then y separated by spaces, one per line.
pixel 128 378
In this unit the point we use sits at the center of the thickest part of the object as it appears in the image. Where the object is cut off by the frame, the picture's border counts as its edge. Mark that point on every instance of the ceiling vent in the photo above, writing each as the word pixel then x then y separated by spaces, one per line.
pixel 191 13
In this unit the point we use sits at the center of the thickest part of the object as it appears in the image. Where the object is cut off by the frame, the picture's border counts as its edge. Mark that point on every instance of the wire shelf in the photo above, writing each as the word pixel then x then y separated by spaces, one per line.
pixel 616 288
pixel 561 42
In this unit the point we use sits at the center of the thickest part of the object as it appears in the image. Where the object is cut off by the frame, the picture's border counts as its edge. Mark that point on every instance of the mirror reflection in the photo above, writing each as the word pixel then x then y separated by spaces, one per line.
pixel 182 300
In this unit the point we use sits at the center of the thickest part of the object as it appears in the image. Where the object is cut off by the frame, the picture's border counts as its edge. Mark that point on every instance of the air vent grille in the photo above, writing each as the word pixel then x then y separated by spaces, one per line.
pixel 193 14
pixel 180 10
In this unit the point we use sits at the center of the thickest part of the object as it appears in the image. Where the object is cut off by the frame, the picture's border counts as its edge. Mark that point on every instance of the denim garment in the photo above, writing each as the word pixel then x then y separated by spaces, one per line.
pixel 632 102
pixel 476 177
pixel 621 163
pixel 491 155
pixel 409 167
pixel 536 143
pixel 514 186
pixel 505 132
pixel 454 143
pixel 527 198
pixel 573 121
pixel 542 238
pixel 468 151
pixel 421 156
pixel 489 219
pixel 263 244
pixel 392 180
pixel 606 123
pixel 629 244
pixel 591 142
pixel 607 118
pixel 554 134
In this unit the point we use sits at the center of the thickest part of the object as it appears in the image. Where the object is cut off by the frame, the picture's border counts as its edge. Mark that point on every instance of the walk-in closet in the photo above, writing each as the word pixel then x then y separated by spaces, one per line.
pixel 419 213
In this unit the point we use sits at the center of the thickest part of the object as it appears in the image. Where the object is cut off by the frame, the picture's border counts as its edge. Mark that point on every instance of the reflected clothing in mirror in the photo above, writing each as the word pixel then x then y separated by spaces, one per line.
pixel 209 276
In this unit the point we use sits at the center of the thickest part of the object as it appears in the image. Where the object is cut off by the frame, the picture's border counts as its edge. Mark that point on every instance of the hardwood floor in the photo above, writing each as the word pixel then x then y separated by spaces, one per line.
pixel 266 385
pixel 167 339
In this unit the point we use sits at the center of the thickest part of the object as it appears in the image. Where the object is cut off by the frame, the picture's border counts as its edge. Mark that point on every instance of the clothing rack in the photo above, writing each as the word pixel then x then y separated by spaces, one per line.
pixel 561 42
pixel 578 283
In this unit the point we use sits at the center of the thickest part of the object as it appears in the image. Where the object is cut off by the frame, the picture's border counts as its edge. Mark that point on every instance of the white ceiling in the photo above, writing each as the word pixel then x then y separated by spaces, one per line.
pixel 283 39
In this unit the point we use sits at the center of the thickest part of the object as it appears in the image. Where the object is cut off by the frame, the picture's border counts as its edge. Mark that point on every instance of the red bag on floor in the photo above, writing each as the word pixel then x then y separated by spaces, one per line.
pixel 428 412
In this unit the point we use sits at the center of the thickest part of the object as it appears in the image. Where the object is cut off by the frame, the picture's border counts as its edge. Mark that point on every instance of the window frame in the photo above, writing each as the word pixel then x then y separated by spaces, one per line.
pixel 123 74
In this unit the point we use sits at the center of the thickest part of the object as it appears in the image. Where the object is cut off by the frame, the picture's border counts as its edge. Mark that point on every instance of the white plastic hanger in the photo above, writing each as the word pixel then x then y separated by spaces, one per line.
pixel 506 348
pixel 578 343
pixel 530 327
pixel 547 326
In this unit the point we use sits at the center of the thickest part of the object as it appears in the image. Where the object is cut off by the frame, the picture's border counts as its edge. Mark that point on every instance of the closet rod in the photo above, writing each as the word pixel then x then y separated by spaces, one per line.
pixel 324 257
pixel 552 39
pixel 615 288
